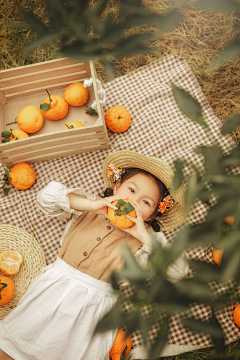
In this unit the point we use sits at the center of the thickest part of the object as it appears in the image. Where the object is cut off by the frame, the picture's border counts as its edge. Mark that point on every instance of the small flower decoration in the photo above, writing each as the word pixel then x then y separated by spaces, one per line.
pixel 167 203
pixel 114 172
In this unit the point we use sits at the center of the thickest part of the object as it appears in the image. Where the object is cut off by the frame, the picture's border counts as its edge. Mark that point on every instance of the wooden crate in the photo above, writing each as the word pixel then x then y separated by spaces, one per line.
pixel 26 85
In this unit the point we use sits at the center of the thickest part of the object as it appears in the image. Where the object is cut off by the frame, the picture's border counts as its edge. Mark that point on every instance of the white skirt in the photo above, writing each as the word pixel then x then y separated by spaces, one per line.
pixel 56 317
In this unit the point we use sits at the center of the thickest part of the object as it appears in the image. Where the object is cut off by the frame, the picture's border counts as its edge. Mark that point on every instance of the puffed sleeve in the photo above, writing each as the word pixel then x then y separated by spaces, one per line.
pixel 53 201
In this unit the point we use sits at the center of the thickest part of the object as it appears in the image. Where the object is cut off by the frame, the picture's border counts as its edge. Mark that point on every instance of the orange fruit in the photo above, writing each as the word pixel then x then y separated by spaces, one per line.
pixel 76 94
pixel 19 134
pixel 229 220
pixel 217 256
pixel 118 119
pixel 119 220
pixel 10 262
pixel 72 125
pixel 30 119
pixel 236 315
pixel 22 176
pixel 7 290
pixel 58 108
pixel 119 345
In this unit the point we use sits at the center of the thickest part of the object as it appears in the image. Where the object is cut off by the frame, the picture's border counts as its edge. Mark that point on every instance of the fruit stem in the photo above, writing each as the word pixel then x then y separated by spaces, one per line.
pixel 49 96
pixel 14 122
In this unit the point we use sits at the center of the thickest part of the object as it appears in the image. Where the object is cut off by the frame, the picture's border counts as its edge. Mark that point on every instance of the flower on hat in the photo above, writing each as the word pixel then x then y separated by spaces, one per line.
pixel 167 203
pixel 114 172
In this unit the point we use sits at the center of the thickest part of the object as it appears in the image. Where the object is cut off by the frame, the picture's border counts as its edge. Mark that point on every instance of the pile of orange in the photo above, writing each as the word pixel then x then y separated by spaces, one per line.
pixel 22 176
pixel 120 220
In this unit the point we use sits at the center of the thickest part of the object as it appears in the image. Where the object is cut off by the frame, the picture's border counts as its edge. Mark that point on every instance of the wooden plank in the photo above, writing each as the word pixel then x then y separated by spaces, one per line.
pixel 46 65
pixel 9 162
pixel 44 74
pixel 42 83
pixel 61 135
pixel 51 144
pixel 38 90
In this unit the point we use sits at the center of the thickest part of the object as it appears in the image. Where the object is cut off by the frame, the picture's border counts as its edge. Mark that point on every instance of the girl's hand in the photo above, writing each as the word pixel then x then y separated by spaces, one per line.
pixel 100 206
pixel 138 230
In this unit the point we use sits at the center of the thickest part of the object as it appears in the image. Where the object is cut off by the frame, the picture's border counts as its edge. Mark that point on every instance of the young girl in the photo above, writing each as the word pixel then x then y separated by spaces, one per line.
pixel 56 317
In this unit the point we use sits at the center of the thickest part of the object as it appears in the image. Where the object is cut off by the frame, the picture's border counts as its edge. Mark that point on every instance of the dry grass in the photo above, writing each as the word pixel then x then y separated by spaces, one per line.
pixel 198 39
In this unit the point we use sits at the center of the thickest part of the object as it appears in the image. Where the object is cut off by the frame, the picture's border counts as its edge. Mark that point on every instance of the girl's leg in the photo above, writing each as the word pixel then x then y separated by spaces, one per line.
pixel 4 356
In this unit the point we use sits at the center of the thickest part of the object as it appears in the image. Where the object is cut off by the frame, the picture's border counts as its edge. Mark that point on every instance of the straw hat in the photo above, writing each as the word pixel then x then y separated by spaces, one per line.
pixel 15 238
pixel 170 219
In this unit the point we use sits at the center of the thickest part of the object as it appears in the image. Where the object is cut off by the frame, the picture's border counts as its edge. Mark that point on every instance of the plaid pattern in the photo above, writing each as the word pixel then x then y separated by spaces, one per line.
pixel 158 129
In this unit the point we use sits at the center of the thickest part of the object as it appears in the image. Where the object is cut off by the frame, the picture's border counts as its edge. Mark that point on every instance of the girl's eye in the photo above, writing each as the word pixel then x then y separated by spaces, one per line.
pixel 146 202
pixel 132 190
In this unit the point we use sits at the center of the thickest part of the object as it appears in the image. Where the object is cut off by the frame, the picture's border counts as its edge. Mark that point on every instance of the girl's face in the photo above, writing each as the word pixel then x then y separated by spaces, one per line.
pixel 141 189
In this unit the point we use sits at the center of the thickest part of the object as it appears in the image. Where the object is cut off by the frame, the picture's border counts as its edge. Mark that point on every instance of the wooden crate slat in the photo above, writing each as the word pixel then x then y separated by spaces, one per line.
pixel 42 83
pixel 10 161
pixel 47 65
pixel 70 135
pixel 40 89
pixel 45 74
pixel 48 148
pixel 57 142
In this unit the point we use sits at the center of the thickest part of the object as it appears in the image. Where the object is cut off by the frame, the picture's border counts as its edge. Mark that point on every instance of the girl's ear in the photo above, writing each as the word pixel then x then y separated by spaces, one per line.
pixel 116 186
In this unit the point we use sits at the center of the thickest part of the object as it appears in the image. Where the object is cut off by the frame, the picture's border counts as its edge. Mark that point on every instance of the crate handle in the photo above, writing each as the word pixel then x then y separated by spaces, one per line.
pixel 101 91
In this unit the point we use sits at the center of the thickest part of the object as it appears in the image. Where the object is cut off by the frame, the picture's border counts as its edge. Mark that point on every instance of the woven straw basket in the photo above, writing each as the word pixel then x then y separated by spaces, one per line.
pixel 14 238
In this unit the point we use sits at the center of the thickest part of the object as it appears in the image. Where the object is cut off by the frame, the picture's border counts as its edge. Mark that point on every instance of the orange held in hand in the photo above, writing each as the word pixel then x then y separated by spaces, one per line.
pixel 54 107
pixel 118 119
pixel 76 94
pixel 30 119
pixel 118 217
pixel 10 262
pixel 119 345
pixel 22 176
pixel 7 290
pixel 236 315
pixel 217 256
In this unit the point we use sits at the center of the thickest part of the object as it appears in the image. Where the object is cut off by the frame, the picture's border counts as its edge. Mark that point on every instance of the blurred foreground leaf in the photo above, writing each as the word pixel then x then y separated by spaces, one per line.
pixel 218 5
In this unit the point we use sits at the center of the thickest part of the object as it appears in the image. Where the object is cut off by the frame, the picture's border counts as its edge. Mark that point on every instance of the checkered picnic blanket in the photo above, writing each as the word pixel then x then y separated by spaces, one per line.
pixel 158 129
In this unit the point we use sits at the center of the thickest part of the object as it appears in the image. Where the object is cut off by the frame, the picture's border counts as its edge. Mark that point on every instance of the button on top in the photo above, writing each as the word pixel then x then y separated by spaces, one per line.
pixel 85 253
pixel 108 227
pixel 98 238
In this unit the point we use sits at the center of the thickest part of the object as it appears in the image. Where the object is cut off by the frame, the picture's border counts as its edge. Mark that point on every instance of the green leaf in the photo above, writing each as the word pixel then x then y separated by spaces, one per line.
pixel 110 320
pixel 6 134
pixel 124 353
pixel 161 340
pixel 191 192
pixel 189 106
pixel 180 243
pixel 127 207
pixel 5 140
pixel 230 125
pixel 230 52
pixel 90 110
pixel 217 5
pixel 199 326
pixel 45 107
pixel 231 266
pixel 5 191
pixel 132 270
pixel 178 174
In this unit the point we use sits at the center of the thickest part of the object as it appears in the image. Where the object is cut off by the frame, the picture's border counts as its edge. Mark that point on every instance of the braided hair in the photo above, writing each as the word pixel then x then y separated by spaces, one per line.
pixel 127 175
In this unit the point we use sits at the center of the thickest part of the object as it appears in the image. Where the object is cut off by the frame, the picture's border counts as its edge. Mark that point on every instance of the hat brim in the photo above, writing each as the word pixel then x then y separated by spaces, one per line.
pixel 170 219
